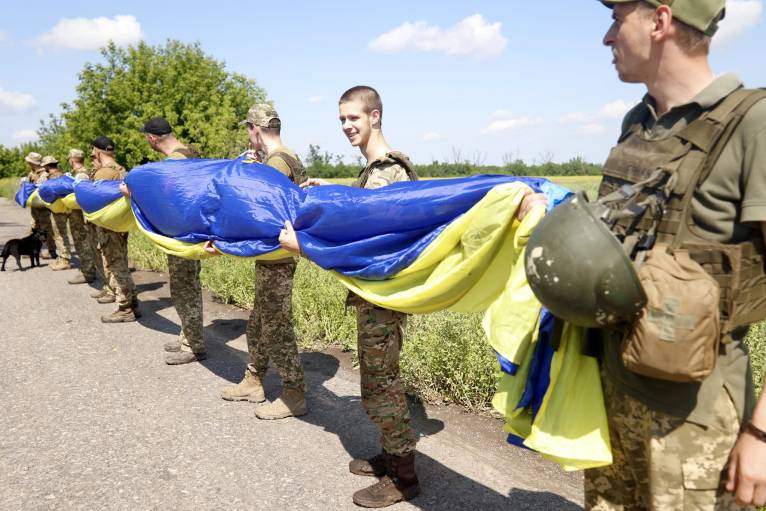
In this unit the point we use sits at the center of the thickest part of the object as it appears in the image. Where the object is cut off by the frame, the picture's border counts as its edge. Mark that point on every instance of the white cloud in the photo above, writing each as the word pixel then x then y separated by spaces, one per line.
pixel 590 128
pixel 24 136
pixel 5 38
pixel 15 102
pixel 503 120
pixel 740 16
pixel 315 99
pixel 471 36
pixel 574 118
pixel 92 33
pixel 432 136
pixel 616 109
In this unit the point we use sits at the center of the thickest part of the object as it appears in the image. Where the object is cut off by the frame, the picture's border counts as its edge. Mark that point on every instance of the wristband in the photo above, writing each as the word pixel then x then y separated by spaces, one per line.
pixel 757 433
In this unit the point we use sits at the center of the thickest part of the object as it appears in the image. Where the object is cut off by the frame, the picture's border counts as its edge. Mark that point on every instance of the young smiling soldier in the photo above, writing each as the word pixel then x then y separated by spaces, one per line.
pixel 686 443
pixel 379 331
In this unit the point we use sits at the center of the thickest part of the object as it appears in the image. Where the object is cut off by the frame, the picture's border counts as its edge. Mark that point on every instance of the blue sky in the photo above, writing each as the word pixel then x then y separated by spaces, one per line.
pixel 481 80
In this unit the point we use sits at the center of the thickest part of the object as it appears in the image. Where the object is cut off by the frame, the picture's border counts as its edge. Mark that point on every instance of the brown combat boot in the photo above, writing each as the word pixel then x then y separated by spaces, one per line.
pixel 107 298
pixel 291 403
pixel 377 466
pixel 61 264
pixel 101 292
pixel 121 315
pixel 184 357
pixel 81 279
pixel 400 483
pixel 249 389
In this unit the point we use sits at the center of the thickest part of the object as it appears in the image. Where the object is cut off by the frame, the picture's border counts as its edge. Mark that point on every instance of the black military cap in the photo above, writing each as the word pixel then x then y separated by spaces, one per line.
pixel 157 126
pixel 104 143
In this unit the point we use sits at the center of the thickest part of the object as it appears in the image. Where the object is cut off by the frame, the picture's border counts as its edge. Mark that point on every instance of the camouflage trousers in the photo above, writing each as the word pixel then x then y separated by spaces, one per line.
pixel 663 462
pixel 83 243
pixel 41 220
pixel 61 235
pixel 379 341
pixel 269 332
pixel 186 293
pixel 98 260
pixel 114 251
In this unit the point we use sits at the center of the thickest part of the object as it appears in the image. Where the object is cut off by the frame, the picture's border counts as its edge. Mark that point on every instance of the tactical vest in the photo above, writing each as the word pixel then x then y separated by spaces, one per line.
pixel 648 187
pixel 297 170
pixel 397 157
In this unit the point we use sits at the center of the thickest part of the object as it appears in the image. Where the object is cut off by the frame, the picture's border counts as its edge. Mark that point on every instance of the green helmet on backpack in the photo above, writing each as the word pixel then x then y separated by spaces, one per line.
pixel 578 270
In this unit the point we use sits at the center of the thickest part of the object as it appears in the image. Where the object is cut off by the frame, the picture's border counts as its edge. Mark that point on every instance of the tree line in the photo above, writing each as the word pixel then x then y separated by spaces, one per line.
pixel 204 103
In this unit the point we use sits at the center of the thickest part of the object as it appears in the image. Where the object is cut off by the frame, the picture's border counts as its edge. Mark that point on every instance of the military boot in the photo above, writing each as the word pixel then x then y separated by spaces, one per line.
pixel 184 357
pixel 377 466
pixel 101 292
pixel 291 403
pixel 249 389
pixel 123 314
pixel 107 298
pixel 61 264
pixel 81 279
pixel 400 483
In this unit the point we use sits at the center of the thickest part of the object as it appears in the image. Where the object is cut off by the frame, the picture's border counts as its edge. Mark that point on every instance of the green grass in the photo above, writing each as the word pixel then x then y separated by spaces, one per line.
pixel 8 187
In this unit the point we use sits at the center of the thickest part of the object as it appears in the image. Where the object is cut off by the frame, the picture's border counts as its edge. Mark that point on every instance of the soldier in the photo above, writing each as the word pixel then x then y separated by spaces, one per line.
pixel 114 245
pixel 60 232
pixel 185 287
pixel 270 334
pixel 379 331
pixel 84 243
pixel 682 445
pixel 41 218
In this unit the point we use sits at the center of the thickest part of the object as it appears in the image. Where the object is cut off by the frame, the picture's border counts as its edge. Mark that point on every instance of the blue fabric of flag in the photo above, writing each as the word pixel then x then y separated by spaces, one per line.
pixel 22 194
pixel 95 195
pixel 370 234
pixel 57 188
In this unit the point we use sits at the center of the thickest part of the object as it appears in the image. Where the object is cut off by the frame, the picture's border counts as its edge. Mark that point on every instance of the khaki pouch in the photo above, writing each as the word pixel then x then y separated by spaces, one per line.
pixel 677 336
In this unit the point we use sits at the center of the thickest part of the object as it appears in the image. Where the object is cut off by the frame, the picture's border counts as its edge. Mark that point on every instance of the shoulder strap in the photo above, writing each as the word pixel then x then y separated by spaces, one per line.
pixel 711 134
pixel 297 169
pixel 405 162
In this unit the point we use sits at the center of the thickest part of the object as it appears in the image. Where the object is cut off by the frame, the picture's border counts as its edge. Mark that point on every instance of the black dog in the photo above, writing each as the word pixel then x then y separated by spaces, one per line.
pixel 28 246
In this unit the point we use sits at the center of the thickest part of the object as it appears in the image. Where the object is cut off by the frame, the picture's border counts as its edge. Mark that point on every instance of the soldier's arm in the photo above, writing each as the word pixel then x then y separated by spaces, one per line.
pixel 384 176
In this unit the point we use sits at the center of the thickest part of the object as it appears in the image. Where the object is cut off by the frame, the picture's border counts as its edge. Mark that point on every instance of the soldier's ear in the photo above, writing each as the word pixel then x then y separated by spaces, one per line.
pixel 375 118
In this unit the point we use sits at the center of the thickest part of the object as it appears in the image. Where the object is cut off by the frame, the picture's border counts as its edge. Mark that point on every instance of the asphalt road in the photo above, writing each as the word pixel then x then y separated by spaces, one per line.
pixel 92 418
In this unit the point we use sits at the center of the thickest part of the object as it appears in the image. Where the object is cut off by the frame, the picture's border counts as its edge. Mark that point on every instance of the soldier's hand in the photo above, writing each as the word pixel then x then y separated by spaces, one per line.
pixel 531 199
pixel 314 181
pixel 747 471
pixel 124 189
pixel 210 249
pixel 288 239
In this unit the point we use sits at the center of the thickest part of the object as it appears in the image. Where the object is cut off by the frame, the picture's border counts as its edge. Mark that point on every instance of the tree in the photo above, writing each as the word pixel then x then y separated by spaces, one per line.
pixel 193 91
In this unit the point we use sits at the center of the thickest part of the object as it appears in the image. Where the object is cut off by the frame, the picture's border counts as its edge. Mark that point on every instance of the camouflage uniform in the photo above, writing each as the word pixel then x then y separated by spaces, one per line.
pixel 84 241
pixel 270 334
pixel 114 249
pixel 41 216
pixel 379 337
pixel 663 462
pixel 185 286
pixel 59 225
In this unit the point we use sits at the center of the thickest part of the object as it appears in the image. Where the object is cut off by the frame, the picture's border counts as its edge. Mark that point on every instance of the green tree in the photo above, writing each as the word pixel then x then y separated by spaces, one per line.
pixel 193 91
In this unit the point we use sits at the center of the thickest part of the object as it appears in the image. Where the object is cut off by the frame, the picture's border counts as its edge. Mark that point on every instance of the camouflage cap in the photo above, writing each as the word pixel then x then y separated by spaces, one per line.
pixel 262 115
pixel 33 158
pixel 77 154
pixel 704 15
pixel 48 160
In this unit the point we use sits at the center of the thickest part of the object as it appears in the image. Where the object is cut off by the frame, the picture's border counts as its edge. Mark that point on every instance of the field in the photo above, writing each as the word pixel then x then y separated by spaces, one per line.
pixel 445 357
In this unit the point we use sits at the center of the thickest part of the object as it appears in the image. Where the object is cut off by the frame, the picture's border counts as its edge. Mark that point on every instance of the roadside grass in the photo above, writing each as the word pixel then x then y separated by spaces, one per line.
pixel 8 187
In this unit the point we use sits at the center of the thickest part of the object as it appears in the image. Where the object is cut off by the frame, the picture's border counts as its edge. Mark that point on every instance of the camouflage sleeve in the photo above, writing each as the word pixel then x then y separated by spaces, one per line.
pixel 386 175
pixel 280 164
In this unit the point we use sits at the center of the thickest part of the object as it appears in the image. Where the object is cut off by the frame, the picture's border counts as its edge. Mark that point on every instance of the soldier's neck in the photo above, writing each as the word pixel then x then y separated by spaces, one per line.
pixel 677 81
pixel 375 147
pixel 271 143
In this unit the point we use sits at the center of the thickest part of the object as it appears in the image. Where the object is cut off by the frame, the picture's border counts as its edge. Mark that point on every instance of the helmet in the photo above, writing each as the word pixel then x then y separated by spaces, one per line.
pixel 578 270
